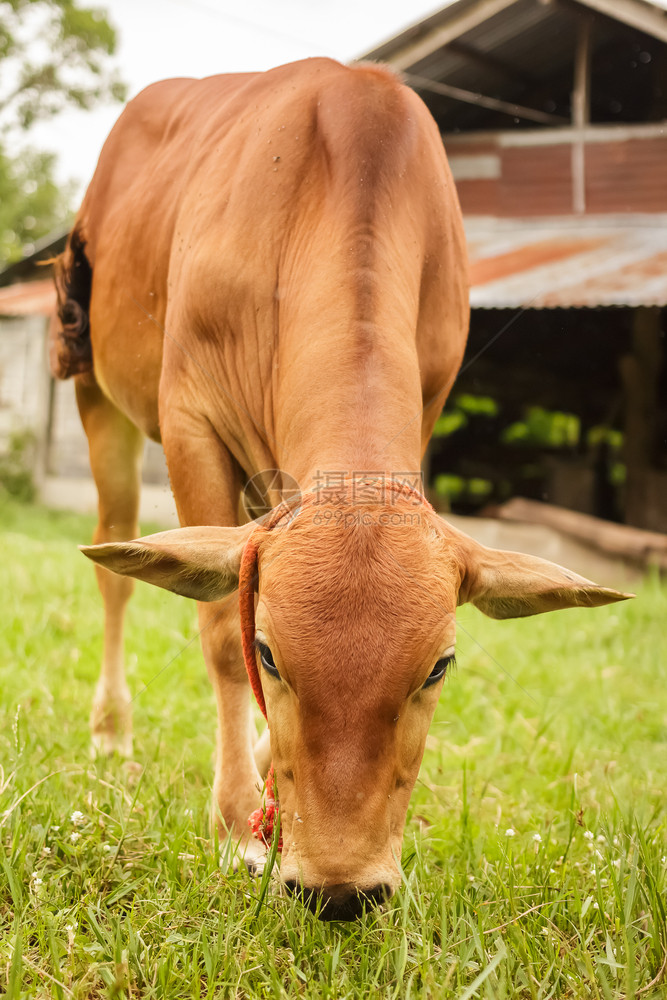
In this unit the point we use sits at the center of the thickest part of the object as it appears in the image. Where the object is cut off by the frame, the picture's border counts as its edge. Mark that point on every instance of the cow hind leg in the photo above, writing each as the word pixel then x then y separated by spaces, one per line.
pixel 116 448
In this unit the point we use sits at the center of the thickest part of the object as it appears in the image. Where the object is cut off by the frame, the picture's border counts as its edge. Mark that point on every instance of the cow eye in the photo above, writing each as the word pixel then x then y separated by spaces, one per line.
pixel 266 656
pixel 439 670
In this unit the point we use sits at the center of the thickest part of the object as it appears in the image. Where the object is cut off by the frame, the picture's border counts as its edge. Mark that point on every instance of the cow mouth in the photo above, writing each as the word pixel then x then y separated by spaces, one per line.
pixel 339 902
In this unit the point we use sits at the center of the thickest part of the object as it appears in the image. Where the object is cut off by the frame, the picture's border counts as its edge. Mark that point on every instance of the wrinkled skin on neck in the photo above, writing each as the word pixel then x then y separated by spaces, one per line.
pixel 356 612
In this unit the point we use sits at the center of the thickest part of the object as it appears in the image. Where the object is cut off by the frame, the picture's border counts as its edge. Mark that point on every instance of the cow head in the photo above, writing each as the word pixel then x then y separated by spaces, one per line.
pixel 355 631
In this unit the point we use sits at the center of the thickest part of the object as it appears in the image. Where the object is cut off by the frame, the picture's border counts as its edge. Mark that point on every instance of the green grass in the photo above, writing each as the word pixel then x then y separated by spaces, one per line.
pixel 554 726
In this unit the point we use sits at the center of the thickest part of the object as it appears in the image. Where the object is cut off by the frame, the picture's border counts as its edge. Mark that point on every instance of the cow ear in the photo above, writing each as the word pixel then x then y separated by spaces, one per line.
pixel 513 585
pixel 201 562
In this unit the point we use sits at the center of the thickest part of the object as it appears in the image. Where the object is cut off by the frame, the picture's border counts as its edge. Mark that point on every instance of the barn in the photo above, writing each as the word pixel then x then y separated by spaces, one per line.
pixel 553 114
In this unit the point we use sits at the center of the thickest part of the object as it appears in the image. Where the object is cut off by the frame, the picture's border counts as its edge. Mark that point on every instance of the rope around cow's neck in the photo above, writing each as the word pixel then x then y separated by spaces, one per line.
pixel 262 821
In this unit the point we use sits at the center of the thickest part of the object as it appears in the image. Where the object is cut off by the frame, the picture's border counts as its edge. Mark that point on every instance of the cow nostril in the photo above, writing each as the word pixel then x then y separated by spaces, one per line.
pixel 338 902
pixel 378 894
pixel 308 897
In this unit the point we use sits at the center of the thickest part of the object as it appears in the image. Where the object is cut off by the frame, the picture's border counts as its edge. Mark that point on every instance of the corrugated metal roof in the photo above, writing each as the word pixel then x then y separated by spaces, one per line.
pixel 559 263
pixel 28 298
pixel 531 39
pixel 567 263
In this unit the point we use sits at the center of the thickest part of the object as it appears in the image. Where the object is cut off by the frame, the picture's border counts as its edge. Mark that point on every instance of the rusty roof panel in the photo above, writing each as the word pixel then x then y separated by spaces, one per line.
pixel 28 298
pixel 562 263
pixel 567 263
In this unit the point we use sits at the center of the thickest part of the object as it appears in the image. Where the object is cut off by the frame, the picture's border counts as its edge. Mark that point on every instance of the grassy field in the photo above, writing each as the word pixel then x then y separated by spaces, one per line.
pixel 535 850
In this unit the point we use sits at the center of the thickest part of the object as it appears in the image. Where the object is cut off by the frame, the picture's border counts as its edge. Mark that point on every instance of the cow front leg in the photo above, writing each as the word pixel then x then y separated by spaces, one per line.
pixel 115 446
pixel 237 784
pixel 206 484
pixel 262 753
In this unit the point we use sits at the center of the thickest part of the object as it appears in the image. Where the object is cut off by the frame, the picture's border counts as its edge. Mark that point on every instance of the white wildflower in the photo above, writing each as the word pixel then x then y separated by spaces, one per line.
pixel 106 848
pixel 71 928
pixel 46 850
pixel 37 882
pixel 537 838
pixel 78 818
pixel 54 829
pixel 601 838
pixel 74 837
pixel 588 835
pixel 509 832
pixel 617 862
pixel 596 906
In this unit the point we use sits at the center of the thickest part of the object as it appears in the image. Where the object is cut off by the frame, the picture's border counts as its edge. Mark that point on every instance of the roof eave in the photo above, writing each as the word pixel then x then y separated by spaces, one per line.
pixel 420 39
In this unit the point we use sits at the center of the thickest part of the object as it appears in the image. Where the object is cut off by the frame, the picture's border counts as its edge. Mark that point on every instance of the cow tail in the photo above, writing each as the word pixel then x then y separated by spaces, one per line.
pixel 70 349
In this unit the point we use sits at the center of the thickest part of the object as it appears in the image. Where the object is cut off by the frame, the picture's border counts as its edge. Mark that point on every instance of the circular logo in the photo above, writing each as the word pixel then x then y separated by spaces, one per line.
pixel 265 490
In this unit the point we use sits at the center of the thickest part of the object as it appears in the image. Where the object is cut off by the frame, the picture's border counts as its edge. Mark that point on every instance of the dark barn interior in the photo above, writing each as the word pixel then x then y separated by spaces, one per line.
pixel 545 410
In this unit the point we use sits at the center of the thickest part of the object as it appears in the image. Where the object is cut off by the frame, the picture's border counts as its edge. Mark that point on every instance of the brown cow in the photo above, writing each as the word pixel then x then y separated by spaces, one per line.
pixel 269 271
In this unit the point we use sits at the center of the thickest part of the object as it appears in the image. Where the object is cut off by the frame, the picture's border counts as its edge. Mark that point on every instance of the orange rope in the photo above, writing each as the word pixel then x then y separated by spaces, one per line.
pixel 247 587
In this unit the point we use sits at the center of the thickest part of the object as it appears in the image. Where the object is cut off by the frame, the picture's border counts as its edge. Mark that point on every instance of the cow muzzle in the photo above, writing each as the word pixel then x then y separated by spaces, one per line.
pixel 339 902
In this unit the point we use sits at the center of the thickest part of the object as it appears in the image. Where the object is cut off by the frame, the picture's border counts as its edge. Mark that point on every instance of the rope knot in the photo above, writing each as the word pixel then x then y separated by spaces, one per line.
pixel 263 821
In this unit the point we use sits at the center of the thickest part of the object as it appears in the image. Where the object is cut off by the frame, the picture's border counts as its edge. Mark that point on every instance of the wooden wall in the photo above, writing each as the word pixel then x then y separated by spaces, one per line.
pixel 510 176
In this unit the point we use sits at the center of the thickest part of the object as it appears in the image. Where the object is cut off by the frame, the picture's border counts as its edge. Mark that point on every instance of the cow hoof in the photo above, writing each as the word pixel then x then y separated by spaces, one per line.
pixel 256 864
pixel 106 744
pixel 111 723
pixel 250 855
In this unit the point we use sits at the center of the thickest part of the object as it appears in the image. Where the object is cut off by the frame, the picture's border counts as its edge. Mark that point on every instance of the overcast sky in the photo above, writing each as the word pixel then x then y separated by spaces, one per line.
pixel 162 38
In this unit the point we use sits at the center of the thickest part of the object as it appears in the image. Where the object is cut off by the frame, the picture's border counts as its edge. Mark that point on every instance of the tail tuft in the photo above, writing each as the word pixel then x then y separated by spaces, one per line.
pixel 70 349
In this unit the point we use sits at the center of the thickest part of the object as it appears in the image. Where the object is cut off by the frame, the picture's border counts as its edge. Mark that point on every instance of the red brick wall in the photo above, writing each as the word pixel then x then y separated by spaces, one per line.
pixel 627 176
pixel 535 180
pixel 621 176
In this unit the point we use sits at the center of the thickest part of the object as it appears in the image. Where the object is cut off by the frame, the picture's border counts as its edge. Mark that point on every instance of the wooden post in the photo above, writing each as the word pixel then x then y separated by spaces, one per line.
pixel 44 413
pixel 581 112
pixel 640 372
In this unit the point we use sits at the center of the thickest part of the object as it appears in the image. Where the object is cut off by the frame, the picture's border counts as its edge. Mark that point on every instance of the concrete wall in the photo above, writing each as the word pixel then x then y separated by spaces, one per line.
pixel 31 400
pixel 68 448
pixel 23 377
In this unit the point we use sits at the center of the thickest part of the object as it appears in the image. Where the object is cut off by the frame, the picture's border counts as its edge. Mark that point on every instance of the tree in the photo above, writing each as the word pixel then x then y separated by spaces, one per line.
pixel 53 54
pixel 32 204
